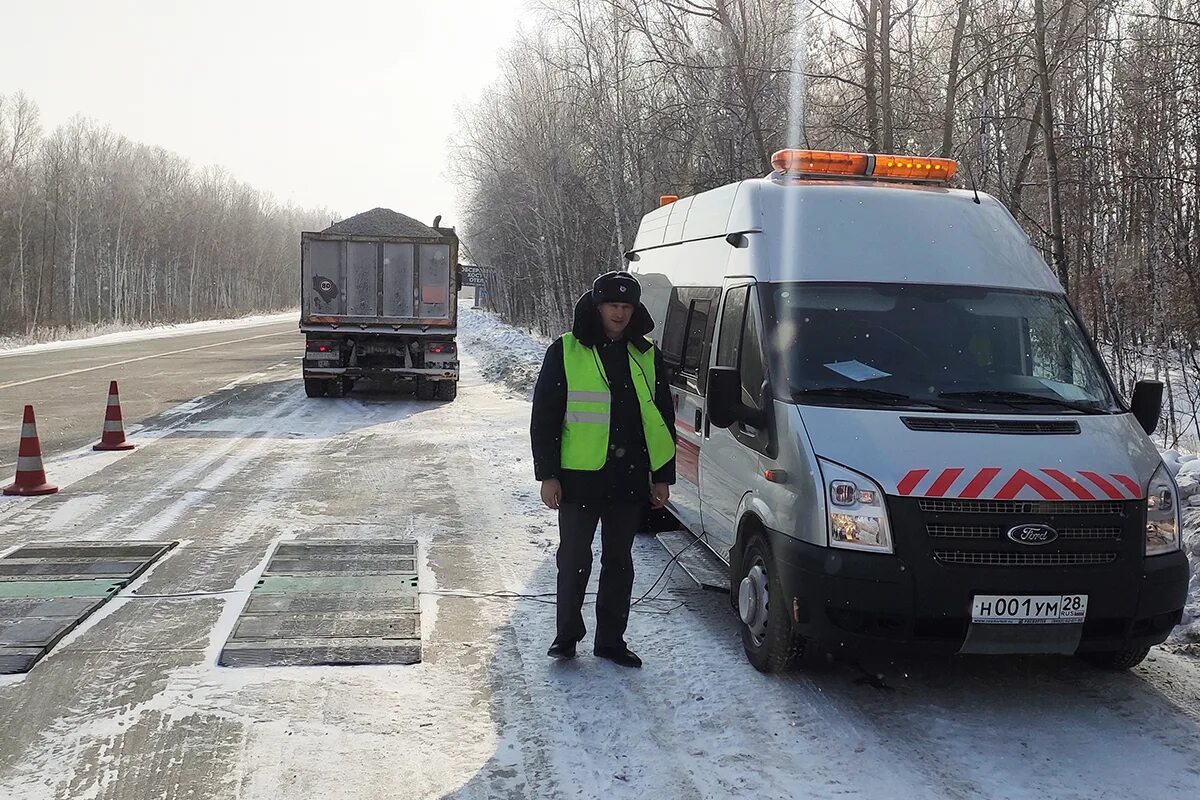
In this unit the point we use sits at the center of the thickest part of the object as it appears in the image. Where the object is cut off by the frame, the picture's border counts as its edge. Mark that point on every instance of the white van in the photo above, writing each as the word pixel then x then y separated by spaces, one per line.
pixel 894 428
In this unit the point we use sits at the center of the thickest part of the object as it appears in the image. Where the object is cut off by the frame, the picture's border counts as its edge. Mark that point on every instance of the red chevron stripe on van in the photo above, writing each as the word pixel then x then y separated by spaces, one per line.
pixel 983 485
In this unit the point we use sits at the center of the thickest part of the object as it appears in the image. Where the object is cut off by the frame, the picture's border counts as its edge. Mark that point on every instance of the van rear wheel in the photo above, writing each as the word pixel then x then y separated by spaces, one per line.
pixel 767 635
pixel 1123 659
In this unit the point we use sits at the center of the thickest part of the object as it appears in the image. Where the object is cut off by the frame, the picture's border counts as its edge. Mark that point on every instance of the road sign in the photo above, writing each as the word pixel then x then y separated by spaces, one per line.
pixel 473 275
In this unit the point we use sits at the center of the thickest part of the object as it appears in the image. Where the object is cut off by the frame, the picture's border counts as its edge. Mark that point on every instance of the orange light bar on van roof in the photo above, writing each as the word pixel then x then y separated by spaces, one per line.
pixel 864 165
pixel 914 168
pixel 821 162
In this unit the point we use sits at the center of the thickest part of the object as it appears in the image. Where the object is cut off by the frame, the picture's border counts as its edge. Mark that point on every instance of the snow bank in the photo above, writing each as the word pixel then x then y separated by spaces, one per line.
pixel 1186 468
pixel 117 333
pixel 507 355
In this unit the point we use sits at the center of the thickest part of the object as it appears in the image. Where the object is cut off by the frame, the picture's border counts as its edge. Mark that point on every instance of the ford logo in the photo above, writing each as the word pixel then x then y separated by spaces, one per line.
pixel 1032 534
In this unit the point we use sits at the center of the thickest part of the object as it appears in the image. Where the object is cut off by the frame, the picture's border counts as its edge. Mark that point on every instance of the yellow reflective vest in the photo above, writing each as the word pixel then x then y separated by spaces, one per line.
pixel 589 407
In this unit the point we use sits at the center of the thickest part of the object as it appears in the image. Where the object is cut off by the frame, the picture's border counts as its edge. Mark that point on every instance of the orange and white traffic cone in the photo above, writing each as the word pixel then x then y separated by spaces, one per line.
pixel 31 476
pixel 113 436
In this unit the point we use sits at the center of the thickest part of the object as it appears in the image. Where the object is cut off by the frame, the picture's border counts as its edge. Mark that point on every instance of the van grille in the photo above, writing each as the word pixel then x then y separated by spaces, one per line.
pixel 1044 507
pixel 994 532
pixel 1033 427
pixel 977 559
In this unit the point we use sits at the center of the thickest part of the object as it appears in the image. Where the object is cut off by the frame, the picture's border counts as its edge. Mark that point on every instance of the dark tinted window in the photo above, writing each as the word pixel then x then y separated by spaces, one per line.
pixel 697 331
pixel 729 347
pixel 752 359
pixel 674 329
pixel 686 335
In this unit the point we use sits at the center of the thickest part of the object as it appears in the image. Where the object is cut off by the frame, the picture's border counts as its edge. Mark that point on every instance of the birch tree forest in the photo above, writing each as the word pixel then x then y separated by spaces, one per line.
pixel 96 229
pixel 1081 116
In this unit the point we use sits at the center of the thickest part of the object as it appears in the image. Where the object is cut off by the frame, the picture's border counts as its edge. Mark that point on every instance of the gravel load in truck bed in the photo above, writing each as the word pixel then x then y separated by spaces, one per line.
pixel 381 222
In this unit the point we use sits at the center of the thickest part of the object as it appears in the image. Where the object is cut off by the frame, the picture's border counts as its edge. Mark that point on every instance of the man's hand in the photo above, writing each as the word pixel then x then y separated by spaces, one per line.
pixel 659 495
pixel 551 493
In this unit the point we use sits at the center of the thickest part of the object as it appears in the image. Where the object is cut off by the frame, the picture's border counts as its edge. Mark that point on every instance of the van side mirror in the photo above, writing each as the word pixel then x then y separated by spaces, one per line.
pixel 1147 404
pixel 725 406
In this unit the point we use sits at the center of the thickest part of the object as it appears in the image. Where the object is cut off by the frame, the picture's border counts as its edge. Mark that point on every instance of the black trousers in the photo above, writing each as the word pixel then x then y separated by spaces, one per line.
pixel 576 530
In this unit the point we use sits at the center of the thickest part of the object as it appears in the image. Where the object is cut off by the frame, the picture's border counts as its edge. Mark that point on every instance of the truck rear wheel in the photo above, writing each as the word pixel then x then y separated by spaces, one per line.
pixel 336 388
pixel 1127 658
pixel 767 635
pixel 315 387
pixel 447 390
pixel 426 389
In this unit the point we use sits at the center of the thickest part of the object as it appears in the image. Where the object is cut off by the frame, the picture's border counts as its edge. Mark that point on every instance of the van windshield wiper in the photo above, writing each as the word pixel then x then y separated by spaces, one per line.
pixel 870 395
pixel 1018 399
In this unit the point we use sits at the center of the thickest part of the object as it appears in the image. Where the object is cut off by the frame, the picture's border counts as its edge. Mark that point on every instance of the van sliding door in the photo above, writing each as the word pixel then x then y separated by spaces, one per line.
pixel 691 317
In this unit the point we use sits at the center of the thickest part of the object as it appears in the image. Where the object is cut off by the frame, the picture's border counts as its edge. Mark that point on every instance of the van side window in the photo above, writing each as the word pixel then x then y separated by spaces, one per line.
pixel 730 345
pixel 752 359
pixel 674 329
pixel 697 327
pixel 686 334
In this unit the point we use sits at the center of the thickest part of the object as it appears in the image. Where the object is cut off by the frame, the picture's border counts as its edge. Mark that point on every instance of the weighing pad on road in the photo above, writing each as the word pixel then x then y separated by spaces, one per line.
pixel 331 601
pixel 47 590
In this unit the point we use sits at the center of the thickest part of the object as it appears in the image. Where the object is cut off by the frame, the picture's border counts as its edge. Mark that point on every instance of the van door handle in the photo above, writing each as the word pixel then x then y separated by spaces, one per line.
pixel 699 420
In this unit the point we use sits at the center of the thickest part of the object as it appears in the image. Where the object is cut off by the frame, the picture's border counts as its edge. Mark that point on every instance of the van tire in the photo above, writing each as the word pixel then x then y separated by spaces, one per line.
pixel 1124 659
pixel 315 387
pixel 780 649
pixel 446 390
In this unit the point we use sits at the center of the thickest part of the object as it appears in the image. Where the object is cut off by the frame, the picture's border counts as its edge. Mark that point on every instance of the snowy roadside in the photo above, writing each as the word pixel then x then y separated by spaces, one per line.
pixel 507 355
pixel 513 357
pixel 1186 468
pixel 1180 424
pixel 117 333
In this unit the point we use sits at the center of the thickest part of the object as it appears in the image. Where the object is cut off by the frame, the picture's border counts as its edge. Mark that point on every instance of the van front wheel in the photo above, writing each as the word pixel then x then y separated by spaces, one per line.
pixel 1128 658
pixel 767 633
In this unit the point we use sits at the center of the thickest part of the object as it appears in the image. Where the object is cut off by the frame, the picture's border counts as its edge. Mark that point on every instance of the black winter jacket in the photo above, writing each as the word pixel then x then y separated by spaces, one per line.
pixel 626 475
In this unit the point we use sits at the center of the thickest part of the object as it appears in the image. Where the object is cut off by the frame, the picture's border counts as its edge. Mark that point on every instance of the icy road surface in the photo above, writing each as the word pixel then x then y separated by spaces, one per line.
pixel 132 706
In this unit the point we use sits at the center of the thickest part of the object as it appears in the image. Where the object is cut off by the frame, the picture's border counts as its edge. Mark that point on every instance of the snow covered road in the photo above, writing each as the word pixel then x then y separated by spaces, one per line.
pixel 134 706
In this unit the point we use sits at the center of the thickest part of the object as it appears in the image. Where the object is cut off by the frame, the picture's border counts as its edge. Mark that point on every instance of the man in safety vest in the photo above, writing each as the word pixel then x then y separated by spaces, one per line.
pixel 603 435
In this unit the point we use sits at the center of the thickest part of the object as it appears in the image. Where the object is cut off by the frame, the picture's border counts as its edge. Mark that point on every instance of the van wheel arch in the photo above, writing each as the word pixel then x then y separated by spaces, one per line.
pixel 749 525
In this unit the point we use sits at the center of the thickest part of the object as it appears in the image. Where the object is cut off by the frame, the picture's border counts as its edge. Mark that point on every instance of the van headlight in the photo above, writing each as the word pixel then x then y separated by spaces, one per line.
pixel 1162 513
pixel 858 518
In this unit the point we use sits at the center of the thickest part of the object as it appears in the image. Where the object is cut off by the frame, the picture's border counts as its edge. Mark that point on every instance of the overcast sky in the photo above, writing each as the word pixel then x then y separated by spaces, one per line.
pixel 345 104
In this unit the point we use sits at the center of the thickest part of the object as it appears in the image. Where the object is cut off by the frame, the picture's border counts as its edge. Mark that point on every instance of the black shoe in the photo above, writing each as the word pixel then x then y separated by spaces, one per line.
pixel 619 655
pixel 562 650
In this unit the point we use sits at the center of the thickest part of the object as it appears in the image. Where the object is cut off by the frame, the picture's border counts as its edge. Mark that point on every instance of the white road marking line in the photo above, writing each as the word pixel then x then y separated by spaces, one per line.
pixel 140 358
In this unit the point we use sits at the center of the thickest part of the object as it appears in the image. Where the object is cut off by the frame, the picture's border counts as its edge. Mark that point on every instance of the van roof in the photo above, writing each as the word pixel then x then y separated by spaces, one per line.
pixel 860 230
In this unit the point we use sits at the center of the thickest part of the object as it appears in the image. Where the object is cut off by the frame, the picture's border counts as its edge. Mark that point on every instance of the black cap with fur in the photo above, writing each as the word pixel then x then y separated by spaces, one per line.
pixel 616 287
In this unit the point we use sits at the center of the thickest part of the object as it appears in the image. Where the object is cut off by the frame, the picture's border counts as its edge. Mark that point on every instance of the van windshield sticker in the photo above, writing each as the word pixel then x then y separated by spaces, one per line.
pixel 1067 391
pixel 857 371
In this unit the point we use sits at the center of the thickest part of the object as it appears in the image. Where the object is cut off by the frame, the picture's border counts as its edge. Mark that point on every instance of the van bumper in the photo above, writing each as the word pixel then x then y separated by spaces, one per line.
pixel 850 600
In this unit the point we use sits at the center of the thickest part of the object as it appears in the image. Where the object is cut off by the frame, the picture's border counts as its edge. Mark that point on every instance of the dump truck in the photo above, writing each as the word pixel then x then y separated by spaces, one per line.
pixel 378 303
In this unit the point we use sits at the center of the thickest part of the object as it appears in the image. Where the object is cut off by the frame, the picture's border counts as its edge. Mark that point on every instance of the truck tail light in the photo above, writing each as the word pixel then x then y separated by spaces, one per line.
pixel 441 348
pixel 320 347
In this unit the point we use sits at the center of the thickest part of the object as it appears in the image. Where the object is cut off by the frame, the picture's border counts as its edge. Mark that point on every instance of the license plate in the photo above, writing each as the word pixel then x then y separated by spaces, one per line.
pixel 1023 609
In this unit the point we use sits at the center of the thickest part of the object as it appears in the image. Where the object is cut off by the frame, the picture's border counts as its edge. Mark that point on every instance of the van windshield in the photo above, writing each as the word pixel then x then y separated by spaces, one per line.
pixel 949 347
